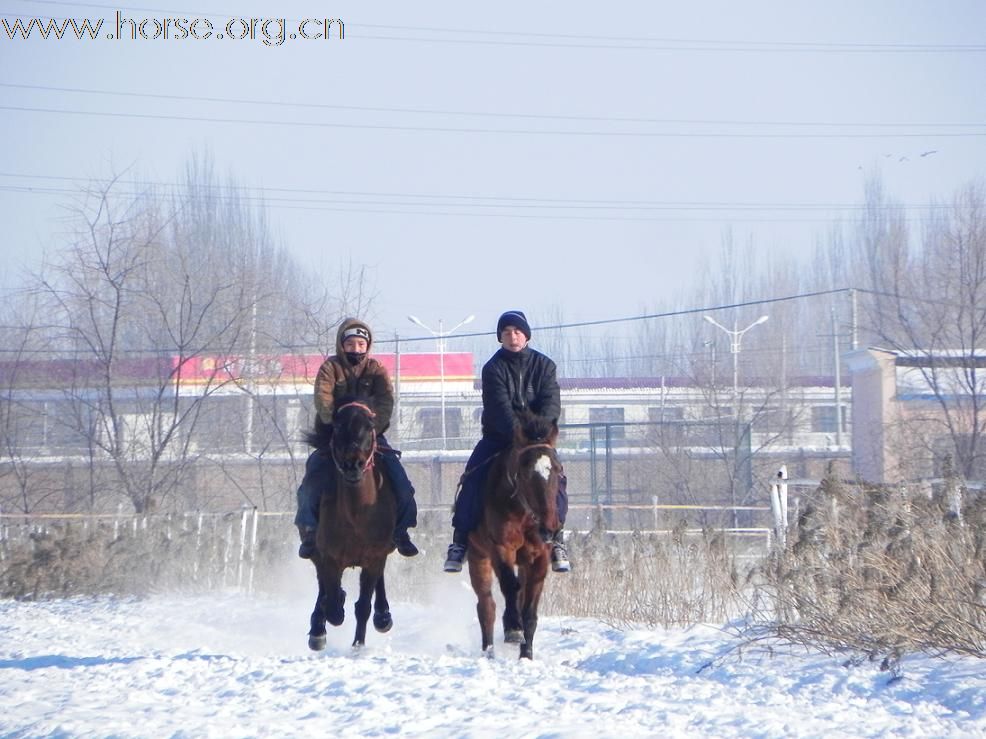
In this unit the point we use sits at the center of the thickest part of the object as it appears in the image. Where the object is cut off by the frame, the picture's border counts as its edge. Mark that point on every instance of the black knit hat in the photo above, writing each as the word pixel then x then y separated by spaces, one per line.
pixel 513 318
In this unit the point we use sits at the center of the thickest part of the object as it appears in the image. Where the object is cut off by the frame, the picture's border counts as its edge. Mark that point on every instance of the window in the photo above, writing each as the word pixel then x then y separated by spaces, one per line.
pixel 609 415
pixel 431 423
pixel 658 414
pixel 774 420
pixel 220 424
pixel 823 419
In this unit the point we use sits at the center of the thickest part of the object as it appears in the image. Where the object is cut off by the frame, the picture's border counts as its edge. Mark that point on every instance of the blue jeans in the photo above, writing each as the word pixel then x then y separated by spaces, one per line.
pixel 469 501
pixel 320 475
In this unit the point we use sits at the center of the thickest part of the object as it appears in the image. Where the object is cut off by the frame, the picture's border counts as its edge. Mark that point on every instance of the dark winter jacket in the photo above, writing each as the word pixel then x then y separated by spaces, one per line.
pixel 513 381
pixel 369 379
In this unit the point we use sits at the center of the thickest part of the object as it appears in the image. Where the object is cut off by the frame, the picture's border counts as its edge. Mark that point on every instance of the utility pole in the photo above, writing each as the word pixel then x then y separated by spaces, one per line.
pixel 397 387
pixel 838 383
pixel 853 340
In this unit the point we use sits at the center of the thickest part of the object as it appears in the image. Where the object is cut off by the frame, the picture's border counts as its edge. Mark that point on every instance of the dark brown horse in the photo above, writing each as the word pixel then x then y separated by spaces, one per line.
pixel 519 505
pixel 355 525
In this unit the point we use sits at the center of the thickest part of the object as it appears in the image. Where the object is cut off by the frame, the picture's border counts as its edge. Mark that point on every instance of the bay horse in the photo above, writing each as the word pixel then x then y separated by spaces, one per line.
pixel 519 506
pixel 355 524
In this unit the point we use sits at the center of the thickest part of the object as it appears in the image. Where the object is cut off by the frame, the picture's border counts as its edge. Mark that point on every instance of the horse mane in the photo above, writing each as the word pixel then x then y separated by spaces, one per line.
pixel 321 433
pixel 534 429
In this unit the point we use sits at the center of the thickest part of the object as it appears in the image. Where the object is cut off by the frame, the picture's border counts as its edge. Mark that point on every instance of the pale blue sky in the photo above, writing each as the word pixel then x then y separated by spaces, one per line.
pixel 559 76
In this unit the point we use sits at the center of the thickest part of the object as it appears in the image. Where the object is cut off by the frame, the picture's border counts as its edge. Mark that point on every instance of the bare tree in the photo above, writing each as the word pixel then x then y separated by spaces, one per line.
pixel 23 421
pixel 926 302
pixel 176 309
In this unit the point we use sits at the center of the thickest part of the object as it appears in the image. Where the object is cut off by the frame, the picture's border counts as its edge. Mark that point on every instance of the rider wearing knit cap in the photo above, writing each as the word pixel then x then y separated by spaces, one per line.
pixel 515 378
pixel 513 318
pixel 352 372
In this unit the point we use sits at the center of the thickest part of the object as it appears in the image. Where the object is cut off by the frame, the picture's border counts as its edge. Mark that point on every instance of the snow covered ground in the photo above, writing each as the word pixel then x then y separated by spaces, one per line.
pixel 233 665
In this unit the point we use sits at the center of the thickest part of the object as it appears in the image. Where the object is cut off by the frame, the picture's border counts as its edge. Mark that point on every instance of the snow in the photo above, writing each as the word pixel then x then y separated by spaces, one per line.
pixel 232 664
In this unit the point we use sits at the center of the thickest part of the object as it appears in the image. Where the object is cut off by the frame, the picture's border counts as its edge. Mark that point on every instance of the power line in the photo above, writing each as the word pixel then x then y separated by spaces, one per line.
pixel 487 114
pixel 381 340
pixel 737 46
pixel 499 131
pixel 778 45
pixel 503 200
pixel 428 209
pixel 692 311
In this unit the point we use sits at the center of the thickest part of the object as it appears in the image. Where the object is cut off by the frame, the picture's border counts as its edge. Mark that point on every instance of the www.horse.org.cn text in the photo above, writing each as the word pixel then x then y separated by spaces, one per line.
pixel 269 31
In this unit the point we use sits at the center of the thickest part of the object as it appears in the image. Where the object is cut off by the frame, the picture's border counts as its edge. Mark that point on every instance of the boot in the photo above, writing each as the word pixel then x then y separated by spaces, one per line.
pixel 307 548
pixel 456 551
pixel 405 546
pixel 559 555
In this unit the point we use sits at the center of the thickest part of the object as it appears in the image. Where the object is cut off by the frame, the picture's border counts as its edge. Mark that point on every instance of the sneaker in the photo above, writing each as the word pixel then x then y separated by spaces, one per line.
pixel 454 558
pixel 307 548
pixel 559 557
pixel 405 547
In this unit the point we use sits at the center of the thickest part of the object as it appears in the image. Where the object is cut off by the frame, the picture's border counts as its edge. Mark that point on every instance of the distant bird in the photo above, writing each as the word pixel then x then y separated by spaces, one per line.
pixel 903 159
pixel 929 153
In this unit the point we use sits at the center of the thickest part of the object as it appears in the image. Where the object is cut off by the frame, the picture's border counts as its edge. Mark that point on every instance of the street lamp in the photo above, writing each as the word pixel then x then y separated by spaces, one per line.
pixel 735 338
pixel 441 335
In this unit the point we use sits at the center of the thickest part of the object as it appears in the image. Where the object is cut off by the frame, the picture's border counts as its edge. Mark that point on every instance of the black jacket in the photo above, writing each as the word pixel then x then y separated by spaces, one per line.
pixel 513 381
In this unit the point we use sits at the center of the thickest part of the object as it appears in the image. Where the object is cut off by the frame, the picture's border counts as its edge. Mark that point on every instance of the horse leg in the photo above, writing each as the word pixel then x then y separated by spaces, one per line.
pixel 333 596
pixel 533 585
pixel 481 576
pixel 368 577
pixel 382 620
pixel 510 586
pixel 316 634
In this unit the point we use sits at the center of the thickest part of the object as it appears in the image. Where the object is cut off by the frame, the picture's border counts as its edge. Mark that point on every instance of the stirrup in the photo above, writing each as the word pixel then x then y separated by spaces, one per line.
pixel 454 558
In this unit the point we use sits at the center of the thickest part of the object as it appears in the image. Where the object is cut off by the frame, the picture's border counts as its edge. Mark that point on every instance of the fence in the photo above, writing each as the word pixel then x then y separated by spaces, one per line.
pixel 44 554
pixel 684 463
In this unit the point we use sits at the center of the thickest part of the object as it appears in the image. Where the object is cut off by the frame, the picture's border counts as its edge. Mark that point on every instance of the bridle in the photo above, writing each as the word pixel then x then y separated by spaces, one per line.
pixel 373 449
pixel 512 478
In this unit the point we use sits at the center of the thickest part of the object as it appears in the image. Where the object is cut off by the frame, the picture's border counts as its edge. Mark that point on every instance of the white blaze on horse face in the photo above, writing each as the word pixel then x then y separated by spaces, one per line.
pixel 543 466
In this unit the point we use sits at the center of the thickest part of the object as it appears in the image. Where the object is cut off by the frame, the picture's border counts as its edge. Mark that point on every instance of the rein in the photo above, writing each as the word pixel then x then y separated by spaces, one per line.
pixel 361 406
pixel 373 450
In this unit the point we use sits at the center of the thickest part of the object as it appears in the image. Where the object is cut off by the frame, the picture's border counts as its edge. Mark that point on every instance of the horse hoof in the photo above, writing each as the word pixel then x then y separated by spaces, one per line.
pixel 488 653
pixel 316 643
pixel 526 652
pixel 513 636
pixel 383 622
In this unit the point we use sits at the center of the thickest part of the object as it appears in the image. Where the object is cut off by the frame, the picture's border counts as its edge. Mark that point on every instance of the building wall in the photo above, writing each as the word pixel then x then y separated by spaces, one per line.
pixel 872 373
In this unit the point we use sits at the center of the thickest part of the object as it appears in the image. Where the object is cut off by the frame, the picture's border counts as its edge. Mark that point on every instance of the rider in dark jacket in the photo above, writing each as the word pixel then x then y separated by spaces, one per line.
pixel 515 378
pixel 353 372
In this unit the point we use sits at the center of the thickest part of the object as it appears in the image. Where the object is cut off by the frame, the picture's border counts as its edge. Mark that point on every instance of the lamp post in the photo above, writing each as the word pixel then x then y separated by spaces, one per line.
pixel 441 334
pixel 735 338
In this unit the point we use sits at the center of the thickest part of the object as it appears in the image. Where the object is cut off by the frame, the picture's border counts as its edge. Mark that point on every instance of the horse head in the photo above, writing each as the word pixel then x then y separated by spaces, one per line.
pixel 354 439
pixel 535 469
